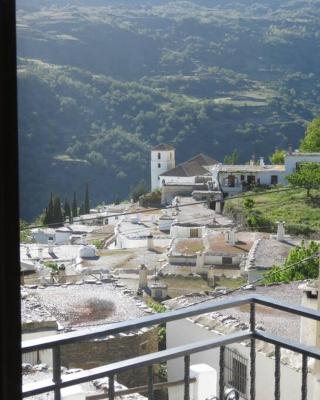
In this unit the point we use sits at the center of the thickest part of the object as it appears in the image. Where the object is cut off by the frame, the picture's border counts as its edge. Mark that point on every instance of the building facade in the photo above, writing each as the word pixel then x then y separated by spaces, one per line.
pixel 162 160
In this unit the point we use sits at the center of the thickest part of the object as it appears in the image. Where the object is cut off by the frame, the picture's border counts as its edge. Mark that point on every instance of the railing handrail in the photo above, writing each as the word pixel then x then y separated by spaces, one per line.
pixel 136 362
pixel 134 324
pixel 165 355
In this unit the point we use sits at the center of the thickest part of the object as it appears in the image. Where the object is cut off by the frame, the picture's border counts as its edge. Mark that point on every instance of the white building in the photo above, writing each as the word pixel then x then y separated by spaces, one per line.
pixel 162 160
pixel 237 356
pixel 232 179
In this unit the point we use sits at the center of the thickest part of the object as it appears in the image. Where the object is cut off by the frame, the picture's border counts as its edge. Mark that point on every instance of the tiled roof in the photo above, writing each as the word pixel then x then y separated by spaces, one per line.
pixel 193 167
pixel 163 146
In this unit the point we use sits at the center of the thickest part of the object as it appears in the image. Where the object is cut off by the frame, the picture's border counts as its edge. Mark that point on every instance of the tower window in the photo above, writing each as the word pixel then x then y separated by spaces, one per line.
pixel 159 165
pixel 159 156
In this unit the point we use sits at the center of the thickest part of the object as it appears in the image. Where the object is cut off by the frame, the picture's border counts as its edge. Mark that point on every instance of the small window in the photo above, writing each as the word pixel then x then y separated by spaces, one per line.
pixel 159 165
pixel 159 156
pixel 226 260
pixel 251 179
pixel 236 371
pixel 274 179
pixel 242 177
pixel 194 233
pixel 231 180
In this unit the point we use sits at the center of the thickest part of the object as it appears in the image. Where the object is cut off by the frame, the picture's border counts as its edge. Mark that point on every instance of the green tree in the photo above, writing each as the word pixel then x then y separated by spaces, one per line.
pixel 300 269
pixel 277 157
pixel 48 217
pixel 25 234
pixel 87 201
pixel 231 158
pixel 67 209
pixel 311 140
pixel 306 177
pixel 57 211
pixel 74 206
pixel 82 210
pixel 138 191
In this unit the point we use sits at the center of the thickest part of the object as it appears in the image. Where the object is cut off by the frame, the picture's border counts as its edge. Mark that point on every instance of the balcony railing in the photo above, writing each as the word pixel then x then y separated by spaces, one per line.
pixel 252 334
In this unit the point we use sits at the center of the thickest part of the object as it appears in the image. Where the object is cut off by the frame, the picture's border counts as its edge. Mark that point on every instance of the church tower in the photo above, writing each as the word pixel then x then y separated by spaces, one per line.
pixel 162 160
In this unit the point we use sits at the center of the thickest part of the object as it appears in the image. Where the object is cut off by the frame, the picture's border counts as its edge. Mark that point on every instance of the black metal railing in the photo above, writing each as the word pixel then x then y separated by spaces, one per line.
pixel 252 334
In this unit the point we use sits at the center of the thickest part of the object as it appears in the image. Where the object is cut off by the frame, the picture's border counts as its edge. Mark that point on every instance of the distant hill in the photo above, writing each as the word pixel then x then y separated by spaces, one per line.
pixel 100 82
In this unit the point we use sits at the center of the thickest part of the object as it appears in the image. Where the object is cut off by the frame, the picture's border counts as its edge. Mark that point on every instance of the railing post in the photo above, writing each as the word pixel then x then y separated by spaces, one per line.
pixel 111 387
pixel 56 364
pixel 252 352
pixel 304 385
pixel 221 372
pixel 277 373
pixel 186 377
pixel 150 383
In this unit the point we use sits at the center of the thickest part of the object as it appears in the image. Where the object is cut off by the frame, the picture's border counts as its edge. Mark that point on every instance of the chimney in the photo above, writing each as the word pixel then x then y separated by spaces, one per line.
pixel 290 149
pixel 143 277
pixel 40 253
pixel 310 329
pixel 150 244
pixel 280 230
pixel 261 162
pixel 230 237
pixel 50 246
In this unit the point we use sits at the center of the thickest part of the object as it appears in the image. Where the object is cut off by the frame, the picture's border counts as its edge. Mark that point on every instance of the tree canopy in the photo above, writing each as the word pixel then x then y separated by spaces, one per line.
pixel 277 157
pixel 294 267
pixel 311 140
pixel 307 176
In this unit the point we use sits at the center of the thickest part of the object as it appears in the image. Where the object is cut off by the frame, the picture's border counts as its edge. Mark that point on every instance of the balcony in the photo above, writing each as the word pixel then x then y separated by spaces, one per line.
pixel 111 370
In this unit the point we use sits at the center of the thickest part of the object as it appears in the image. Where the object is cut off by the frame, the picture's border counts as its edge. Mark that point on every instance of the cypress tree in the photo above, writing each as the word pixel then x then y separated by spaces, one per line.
pixel 48 215
pixel 57 212
pixel 74 206
pixel 82 210
pixel 45 217
pixel 67 209
pixel 87 201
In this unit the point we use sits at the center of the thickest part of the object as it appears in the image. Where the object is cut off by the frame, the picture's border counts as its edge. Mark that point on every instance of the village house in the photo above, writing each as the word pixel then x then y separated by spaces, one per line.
pixel 204 177
pixel 237 356
pixel 222 252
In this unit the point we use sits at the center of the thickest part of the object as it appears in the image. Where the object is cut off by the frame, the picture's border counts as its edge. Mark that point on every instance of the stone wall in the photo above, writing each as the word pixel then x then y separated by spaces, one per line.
pixel 95 353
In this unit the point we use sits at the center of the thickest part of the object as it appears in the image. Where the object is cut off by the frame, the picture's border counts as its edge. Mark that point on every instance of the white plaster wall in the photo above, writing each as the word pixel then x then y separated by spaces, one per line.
pixel 178 179
pixel 291 160
pixel 183 332
pixel 62 237
pixel 165 224
pixel 42 238
pixel 45 356
pixel 185 232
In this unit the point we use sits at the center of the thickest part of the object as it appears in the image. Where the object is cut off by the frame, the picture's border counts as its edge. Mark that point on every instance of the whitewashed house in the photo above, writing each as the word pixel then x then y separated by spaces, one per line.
pixel 237 356
pixel 233 179
pixel 43 235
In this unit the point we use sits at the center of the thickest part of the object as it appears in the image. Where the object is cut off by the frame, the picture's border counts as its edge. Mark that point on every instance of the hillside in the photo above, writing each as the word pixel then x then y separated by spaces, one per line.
pixel 100 82
pixel 301 218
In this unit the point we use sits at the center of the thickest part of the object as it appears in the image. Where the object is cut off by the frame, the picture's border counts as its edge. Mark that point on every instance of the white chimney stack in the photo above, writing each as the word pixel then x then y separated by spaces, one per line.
pixel 261 162
pixel 280 231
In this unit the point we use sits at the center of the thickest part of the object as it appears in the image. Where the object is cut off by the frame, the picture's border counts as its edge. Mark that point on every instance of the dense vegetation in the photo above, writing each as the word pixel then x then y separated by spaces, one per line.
pixel 300 264
pixel 262 211
pixel 100 82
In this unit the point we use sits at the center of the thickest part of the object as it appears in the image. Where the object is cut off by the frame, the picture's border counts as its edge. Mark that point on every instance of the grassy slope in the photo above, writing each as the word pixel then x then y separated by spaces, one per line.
pixel 293 207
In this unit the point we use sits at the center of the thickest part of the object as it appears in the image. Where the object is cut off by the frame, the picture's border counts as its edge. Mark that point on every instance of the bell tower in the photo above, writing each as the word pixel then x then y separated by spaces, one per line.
pixel 162 160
